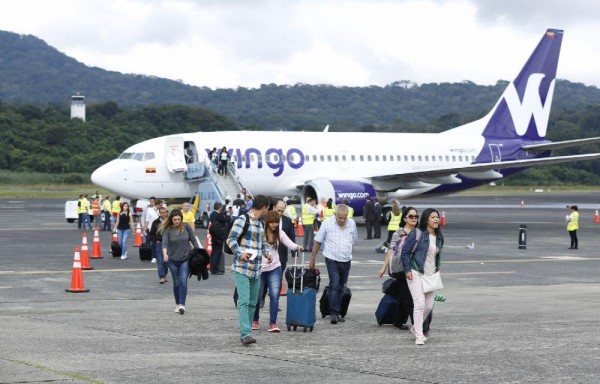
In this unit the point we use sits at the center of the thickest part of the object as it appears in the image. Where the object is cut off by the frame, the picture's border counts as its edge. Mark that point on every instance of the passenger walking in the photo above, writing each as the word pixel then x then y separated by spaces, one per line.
pixel 573 225
pixel 425 260
pixel 247 263
pixel 224 159
pixel 156 243
pixel 338 235
pixel 106 208
pixel 176 240
pixel 271 272
pixel 123 228
pixel 214 158
pixel 408 221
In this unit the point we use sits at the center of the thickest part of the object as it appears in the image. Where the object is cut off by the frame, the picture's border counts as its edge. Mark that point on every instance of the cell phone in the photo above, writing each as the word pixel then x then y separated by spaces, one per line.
pixel 251 253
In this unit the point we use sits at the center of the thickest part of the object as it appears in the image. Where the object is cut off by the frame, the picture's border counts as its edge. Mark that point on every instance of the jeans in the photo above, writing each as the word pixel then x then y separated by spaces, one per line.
pixel 179 273
pixel 247 290
pixel 338 272
pixel 270 280
pixel 86 220
pixel 423 302
pixel 106 226
pixel 79 220
pixel 309 237
pixel 123 237
pixel 161 266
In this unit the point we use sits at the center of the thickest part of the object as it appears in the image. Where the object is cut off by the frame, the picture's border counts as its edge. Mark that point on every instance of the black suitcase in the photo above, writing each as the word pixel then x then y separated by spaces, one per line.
pixel 324 302
pixel 145 252
pixel 312 278
pixel 115 249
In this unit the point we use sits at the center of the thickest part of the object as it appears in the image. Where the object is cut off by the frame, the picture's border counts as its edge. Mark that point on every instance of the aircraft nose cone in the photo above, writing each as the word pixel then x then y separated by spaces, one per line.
pixel 104 177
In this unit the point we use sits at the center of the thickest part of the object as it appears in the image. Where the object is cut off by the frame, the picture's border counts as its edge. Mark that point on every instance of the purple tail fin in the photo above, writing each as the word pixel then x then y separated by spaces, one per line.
pixel 524 108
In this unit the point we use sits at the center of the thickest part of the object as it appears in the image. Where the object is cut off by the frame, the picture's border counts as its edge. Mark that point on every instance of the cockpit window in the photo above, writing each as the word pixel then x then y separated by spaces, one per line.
pixel 148 156
pixel 126 155
pixel 138 156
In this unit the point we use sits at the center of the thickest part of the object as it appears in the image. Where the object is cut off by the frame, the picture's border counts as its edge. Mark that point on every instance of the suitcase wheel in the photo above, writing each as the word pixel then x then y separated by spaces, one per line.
pixel 304 329
pixel 380 324
pixel 295 327
pixel 289 327
pixel 311 328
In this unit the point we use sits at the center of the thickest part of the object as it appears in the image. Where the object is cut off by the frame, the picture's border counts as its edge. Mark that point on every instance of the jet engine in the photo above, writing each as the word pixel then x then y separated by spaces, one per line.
pixel 339 190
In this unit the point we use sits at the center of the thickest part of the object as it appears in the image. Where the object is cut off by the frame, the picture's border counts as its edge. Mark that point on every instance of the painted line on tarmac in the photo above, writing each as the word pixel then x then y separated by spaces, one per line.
pixel 69 271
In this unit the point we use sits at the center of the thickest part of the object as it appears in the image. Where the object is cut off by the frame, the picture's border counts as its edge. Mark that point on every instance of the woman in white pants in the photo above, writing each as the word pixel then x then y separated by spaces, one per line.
pixel 425 260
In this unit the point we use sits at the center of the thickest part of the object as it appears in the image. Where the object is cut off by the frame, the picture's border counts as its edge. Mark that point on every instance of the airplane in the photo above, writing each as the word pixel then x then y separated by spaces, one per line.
pixel 353 165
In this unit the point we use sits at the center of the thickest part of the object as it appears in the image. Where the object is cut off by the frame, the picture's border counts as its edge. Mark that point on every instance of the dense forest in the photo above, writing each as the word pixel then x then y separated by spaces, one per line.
pixel 36 82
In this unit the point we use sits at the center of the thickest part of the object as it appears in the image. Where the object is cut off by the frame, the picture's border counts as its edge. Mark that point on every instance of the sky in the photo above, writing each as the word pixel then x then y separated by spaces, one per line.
pixel 237 43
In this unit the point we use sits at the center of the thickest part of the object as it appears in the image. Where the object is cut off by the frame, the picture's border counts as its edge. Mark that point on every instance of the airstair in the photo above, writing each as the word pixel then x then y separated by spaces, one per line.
pixel 212 187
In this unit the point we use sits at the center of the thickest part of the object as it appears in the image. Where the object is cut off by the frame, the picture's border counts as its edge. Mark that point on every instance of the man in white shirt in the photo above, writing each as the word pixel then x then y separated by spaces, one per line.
pixel 338 234
pixel 150 214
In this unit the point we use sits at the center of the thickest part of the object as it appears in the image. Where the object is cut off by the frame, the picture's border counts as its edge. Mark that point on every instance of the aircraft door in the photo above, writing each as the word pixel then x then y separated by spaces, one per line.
pixel 174 154
pixel 495 153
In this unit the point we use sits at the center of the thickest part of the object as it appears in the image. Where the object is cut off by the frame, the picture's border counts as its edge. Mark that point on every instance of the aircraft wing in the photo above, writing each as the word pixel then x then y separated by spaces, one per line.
pixel 561 144
pixel 486 169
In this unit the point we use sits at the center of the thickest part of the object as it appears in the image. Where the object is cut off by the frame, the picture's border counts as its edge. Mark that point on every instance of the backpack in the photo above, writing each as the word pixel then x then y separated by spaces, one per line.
pixel 395 268
pixel 228 250
pixel 218 231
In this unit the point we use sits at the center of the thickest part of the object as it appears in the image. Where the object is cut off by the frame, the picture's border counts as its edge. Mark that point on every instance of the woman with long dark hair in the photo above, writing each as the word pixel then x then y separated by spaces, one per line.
pixel 176 239
pixel 425 260
pixel 123 227
pixel 270 276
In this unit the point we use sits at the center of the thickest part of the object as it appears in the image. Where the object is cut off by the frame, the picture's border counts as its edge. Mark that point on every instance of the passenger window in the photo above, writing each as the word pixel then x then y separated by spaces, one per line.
pixel 453 158
pixel 419 158
pixel 376 157
pixel 335 157
pixel 460 158
pixel 343 157
pixel 362 158
pixel 368 157
pixel 447 158
pixel 426 157
pixel 314 157
pixel 307 158
pixel 322 158
pixel 412 157
pixel 405 157
pixel 352 157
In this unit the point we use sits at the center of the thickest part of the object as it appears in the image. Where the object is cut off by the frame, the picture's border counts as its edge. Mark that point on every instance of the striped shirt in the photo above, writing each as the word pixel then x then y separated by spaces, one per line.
pixel 338 241
pixel 254 241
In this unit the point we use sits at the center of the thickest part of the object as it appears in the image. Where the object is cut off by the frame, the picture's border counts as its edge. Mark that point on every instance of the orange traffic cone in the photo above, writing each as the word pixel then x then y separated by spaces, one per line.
pixel 138 235
pixel 85 260
pixel 208 243
pixel 443 219
pixel 77 276
pixel 96 253
pixel 300 228
pixel 596 218
pixel 282 291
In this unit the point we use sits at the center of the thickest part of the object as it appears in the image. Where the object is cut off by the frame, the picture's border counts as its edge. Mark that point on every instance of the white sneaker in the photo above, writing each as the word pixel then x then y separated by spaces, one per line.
pixel 177 308
pixel 124 257
pixel 181 309
pixel 153 260
pixel 420 340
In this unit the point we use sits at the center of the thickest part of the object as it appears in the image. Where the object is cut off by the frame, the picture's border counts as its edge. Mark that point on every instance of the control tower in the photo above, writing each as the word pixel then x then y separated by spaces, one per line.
pixel 78 107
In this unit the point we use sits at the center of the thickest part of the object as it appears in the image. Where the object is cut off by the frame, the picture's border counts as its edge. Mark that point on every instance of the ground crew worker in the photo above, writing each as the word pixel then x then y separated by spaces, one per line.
pixel 290 210
pixel 309 212
pixel 394 223
pixel 106 208
pixel 328 210
pixel 85 210
pixel 116 209
pixel 79 212
pixel 573 225
pixel 96 210
pixel 350 209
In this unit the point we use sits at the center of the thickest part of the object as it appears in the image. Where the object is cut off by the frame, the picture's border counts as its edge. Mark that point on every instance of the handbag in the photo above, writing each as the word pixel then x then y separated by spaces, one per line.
pixel 432 283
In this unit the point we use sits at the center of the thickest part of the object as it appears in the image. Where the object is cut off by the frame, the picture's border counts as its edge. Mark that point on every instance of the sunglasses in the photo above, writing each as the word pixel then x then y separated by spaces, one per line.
pixel 413 216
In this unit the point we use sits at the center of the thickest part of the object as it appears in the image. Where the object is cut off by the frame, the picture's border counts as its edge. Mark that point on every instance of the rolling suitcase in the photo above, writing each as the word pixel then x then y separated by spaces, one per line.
pixel 115 249
pixel 301 305
pixel 324 302
pixel 387 310
pixel 145 252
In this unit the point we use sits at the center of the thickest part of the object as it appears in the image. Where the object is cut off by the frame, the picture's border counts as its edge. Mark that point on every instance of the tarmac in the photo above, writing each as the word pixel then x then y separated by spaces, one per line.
pixel 511 315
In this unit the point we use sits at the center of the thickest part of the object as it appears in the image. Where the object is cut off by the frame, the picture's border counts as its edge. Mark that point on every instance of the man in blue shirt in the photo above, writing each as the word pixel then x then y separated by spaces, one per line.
pixel 338 234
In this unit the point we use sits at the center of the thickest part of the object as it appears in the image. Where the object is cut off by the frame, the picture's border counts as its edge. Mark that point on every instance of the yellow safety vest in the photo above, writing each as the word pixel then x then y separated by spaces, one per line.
pixel 573 224
pixel 307 218
pixel 394 223
pixel 85 205
pixel 116 206
pixel 290 212
pixel 350 212
pixel 80 208
pixel 327 213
